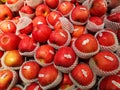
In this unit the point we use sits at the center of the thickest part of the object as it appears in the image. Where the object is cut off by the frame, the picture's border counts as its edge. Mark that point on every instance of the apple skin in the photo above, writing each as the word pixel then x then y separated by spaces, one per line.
pixel 57 38
pixel 99 8
pixel 11 1
pixel 109 82
pixel 52 3
pixel 5 12
pixel 96 20
pixel 9 41
pixel 39 20
pixel 5 80
pixel 60 59
pixel 104 63
pixel 30 70
pixel 13 59
pixel 8 26
pixel 45 53
pixel 53 17
pixel 80 14
pixel 41 33
pixel 17 87
pixel 33 86
pixel 86 43
pixel 26 9
pixel 65 7
pixel 80 77
pixel 27 44
pixel 42 10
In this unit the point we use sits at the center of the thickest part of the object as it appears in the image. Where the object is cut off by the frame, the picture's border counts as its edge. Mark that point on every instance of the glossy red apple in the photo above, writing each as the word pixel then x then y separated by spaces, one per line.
pixel 66 83
pixel 65 7
pixel 29 71
pixel 52 3
pixel 8 26
pixel 111 82
pixel 79 15
pixel 53 17
pixel 9 41
pixel 99 8
pixel 59 38
pixel 85 46
pixel 65 59
pixel 8 78
pixel 49 77
pixel 107 40
pixel 39 20
pixel 105 63
pixel 83 76
pixel 33 86
pixel 5 12
pixel 44 54
pixel 12 59
pixel 42 10
pixel 41 33
pixel 27 44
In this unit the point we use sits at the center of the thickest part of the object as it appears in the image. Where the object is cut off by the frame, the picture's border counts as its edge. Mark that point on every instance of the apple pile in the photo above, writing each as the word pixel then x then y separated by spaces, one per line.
pixel 59 44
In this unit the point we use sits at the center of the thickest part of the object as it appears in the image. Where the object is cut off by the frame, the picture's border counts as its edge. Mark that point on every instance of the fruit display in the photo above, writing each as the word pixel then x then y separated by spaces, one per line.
pixel 59 44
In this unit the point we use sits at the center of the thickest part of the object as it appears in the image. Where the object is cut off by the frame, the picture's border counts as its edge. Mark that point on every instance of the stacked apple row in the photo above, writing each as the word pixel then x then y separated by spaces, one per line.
pixel 59 45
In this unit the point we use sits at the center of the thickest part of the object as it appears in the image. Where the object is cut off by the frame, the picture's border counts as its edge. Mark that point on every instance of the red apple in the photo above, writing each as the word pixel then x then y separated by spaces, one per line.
pixel 78 30
pixel 114 17
pixel 12 59
pixel 99 8
pixel 42 10
pixel 85 46
pixel 33 86
pixel 39 20
pixel 41 33
pixel 44 54
pixel 8 26
pixel 52 3
pixel 53 17
pixel 105 63
pixel 49 77
pixel 79 15
pixel 27 44
pixel 65 59
pixel 58 25
pixel 9 41
pixel 8 79
pixel 5 12
pixel 59 38
pixel 65 7
pixel 66 83
pixel 111 82
pixel 29 71
pixel 83 76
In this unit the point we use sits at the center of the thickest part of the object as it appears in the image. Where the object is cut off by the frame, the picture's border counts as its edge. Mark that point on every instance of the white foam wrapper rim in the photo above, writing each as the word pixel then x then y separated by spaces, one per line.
pixel 22 14
pixel 23 22
pixel 15 78
pixel 26 81
pixel 100 72
pixel 93 27
pixel 5 66
pixel 88 3
pixel 81 86
pixel 66 24
pixel 110 48
pixel 82 54
pixel 54 83
pixel 15 7
pixel 116 9
pixel 33 3
pixel 66 44
pixel 67 69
